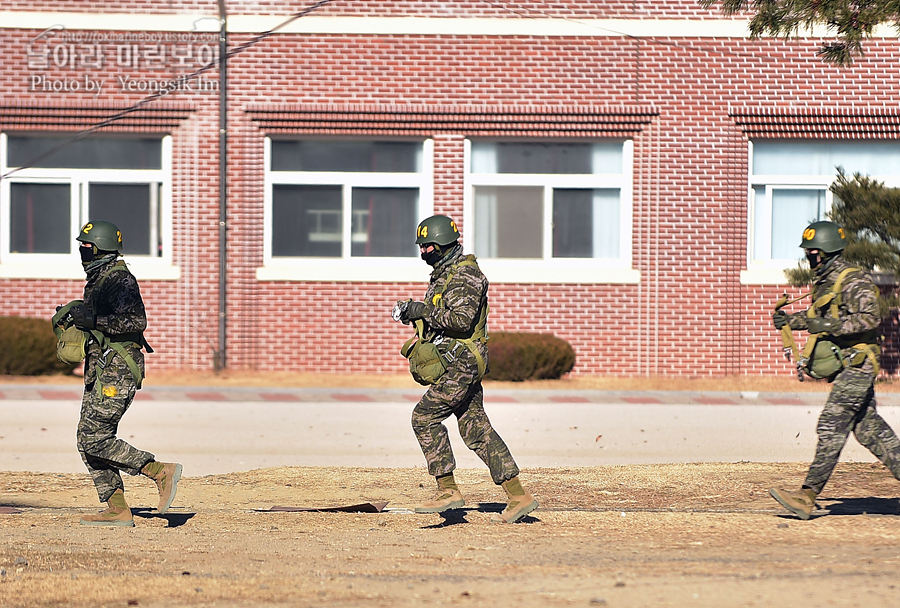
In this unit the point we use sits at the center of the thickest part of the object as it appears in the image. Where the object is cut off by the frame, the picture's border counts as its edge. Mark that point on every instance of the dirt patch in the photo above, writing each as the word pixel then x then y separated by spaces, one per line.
pixel 663 535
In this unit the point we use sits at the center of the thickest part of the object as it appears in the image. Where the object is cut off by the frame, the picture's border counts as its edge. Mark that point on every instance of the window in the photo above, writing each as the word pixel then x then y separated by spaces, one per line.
pixel 61 183
pixel 553 208
pixel 789 189
pixel 345 209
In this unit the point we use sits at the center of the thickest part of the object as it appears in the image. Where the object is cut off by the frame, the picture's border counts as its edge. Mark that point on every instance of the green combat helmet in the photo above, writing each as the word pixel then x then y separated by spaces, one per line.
pixel 438 229
pixel 824 236
pixel 101 234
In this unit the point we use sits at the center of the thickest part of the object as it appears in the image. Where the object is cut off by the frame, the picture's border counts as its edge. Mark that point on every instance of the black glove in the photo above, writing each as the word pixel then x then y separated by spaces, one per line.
pixel 82 317
pixel 818 325
pixel 415 310
pixel 780 319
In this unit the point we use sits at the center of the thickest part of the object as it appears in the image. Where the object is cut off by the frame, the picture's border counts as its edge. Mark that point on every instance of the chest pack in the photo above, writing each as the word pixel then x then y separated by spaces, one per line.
pixel 823 356
pixel 71 342
pixel 426 362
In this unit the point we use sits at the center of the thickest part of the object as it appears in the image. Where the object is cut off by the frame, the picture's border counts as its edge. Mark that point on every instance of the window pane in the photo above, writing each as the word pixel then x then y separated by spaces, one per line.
pixel 130 208
pixel 573 221
pixel 822 157
pixel 557 158
pixel 353 156
pixel 792 211
pixel 760 234
pixel 384 222
pixel 306 221
pixel 87 153
pixel 509 222
pixel 586 223
pixel 40 218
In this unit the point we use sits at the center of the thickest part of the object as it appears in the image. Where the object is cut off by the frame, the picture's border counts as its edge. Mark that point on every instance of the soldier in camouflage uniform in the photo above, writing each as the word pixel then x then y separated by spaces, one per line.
pixel 851 404
pixel 454 312
pixel 113 316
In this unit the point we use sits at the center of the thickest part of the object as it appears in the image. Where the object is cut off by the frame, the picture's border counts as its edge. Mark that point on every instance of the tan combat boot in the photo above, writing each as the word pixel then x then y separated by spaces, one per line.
pixel 166 476
pixel 520 504
pixel 448 497
pixel 118 513
pixel 799 503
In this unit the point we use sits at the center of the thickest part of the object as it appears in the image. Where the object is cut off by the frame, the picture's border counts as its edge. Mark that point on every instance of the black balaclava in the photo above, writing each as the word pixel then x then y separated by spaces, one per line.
pixel 826 260
pixel 434 257
pixel 91 257
pixel 88 254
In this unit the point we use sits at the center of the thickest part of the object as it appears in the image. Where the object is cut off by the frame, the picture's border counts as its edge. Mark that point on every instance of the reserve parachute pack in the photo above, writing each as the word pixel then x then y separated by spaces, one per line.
pixel 822 358
pixel 71 342
pixel 426 364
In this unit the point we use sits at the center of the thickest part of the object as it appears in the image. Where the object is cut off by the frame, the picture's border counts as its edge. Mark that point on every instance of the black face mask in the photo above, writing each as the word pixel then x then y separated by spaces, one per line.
pixel 88 254
pixel 814 259
pixel 432 257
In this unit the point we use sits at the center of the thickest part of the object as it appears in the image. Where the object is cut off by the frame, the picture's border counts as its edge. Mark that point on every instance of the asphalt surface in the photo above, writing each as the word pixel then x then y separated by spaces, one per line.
pixel 221 430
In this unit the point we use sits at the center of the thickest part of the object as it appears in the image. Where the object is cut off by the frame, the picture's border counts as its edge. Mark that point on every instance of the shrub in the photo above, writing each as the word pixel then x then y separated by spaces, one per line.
pixel 28 348
pixel 519 356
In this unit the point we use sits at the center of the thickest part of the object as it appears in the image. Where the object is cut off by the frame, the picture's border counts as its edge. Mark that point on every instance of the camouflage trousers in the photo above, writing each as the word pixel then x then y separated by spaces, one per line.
pixel 851 407
pixel 459 393
pixel 104 403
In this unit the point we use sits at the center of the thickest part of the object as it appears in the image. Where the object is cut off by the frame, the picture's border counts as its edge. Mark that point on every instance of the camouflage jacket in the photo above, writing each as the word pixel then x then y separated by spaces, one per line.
pixel 858 310
pixel 119 309
pixel 453 309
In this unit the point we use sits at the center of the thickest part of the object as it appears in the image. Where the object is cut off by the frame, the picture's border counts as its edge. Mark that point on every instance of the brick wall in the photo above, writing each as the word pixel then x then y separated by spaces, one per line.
pixel 689 315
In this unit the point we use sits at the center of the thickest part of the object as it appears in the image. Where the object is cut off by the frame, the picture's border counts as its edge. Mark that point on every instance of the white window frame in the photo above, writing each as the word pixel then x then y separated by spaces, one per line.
pixel 346 267
pixel 68 265
pixel 549 269
pixel 772 271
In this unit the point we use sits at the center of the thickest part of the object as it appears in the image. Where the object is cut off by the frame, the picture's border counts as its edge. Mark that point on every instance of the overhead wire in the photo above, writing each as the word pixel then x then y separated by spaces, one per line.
pixel 173 84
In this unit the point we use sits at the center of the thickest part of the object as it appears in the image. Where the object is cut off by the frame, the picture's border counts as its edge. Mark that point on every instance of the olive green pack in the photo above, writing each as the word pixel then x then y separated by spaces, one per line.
pixel 70 341
pixel 425 363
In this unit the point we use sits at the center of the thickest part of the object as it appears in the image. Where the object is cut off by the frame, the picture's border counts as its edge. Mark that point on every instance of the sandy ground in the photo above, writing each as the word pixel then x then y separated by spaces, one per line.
pixel 654 535
pixel 632 535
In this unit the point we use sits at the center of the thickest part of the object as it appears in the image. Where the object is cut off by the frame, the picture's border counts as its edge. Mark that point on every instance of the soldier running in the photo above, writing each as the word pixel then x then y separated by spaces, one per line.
pixel 850 320
pixel 453 317
pixel 113 319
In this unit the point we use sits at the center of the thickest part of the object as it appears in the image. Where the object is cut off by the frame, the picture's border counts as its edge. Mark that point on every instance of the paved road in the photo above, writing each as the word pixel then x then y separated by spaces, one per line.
pixel 241 429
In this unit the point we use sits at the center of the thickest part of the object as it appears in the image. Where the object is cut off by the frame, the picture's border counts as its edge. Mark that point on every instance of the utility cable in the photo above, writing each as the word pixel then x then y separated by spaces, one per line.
pixel 173 85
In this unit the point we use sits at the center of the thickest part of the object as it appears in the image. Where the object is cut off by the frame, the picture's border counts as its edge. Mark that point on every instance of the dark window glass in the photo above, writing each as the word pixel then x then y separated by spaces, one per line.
pixel 88 153
pixel 306 221
pixel 573 223
pixel 40 220
pixel 384 222
pixel 543 158
pixel 355 156
pixel 129 207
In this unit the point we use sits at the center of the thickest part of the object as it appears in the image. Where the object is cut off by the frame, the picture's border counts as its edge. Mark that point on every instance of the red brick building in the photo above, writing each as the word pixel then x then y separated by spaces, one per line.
pixel 633 176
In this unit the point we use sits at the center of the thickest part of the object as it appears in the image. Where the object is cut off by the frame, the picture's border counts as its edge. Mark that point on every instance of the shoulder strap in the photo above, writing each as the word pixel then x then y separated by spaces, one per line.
pixel 120 265
pixel 836 290
pixel 833 297
pixel 467 260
